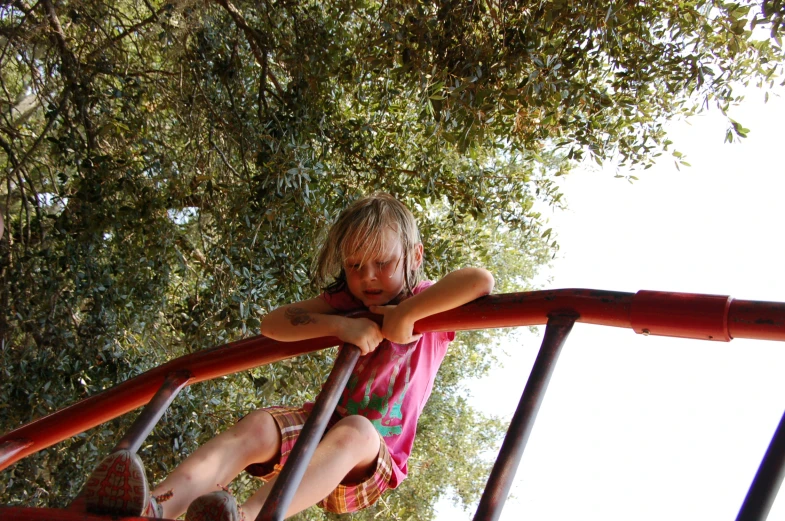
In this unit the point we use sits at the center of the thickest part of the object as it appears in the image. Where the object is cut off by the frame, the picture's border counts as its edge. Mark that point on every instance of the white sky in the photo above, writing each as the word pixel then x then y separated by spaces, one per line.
pixel 651 428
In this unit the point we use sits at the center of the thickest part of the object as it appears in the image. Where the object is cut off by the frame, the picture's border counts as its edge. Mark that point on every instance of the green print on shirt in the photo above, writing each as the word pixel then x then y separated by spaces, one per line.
pixel 381 404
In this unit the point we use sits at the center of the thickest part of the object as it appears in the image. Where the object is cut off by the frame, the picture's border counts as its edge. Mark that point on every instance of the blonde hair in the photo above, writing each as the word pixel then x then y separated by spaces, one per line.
pixel 359 228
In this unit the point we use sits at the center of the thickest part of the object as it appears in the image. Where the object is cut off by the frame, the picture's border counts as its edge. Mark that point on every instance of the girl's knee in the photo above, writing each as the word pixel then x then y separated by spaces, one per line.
pixel 356 432
pixel 259 430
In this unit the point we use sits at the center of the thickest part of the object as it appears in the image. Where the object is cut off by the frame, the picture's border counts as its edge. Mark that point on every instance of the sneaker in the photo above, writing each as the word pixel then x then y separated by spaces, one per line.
pixel 118 486
pixel 215 506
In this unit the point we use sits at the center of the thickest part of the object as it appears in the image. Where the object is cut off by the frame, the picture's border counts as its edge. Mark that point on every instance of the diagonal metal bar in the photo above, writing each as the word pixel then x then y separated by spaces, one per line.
pixel 144 423
pixel 291 475
pixel 500 480
pixel 768 479
pixel 153 411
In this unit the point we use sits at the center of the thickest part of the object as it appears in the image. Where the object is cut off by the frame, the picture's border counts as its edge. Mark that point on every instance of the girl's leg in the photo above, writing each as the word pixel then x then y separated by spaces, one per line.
pixel 347 452
pixel 255 439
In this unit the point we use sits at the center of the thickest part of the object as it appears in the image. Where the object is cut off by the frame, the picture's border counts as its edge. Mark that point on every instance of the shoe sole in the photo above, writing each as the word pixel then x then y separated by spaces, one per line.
pixel 118 486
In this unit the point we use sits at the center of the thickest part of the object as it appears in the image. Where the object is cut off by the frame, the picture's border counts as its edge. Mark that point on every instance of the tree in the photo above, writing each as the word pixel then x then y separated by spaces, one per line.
pixel 167 167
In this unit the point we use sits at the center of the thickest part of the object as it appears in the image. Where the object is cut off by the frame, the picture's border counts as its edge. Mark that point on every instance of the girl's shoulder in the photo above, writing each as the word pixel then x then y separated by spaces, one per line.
pixel 422 286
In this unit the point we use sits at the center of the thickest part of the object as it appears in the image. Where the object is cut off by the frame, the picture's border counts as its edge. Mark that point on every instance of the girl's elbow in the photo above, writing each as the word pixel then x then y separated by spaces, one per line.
pixel 267 327
pixel 483 281
pixel 487 282
pixel 264 329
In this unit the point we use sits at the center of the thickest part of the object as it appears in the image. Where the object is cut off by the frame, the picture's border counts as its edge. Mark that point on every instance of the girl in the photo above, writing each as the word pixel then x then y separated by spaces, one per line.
pixel 372 258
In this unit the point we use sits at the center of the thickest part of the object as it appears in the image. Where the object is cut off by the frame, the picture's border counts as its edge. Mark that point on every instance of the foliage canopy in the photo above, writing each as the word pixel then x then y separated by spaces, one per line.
pixel 167 166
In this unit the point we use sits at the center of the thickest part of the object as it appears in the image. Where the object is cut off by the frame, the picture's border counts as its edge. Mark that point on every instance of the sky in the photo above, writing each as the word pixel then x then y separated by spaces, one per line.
pixel 652 428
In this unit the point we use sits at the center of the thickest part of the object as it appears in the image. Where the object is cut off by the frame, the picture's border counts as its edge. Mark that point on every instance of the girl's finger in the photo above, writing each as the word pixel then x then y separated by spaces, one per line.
pixel 380 310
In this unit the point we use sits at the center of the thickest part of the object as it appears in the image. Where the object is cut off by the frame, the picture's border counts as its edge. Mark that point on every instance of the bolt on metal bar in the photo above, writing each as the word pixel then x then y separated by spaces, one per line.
pixel 503 472
pixel 291 475
pixel 768 479
pixel 153 411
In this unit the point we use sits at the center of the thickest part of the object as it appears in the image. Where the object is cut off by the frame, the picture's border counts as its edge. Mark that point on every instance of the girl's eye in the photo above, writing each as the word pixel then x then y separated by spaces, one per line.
pixel 382 264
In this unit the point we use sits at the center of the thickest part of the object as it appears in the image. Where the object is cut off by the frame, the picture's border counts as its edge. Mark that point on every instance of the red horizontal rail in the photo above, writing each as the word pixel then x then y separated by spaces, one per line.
pixel 657 313
pixel 60 514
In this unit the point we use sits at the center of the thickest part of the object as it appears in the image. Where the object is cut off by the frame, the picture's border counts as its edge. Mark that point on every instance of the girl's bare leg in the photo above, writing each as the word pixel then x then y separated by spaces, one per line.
pixel 347 452
pixel 255 439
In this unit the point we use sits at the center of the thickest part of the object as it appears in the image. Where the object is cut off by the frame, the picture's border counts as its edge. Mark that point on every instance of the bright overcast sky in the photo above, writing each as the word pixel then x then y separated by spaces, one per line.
pixel 650 428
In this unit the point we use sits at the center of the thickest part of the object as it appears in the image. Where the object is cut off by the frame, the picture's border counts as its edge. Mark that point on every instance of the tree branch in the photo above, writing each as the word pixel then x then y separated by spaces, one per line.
pixel 63 101
pixel 70 66
pixel 113 40
pixel 255 40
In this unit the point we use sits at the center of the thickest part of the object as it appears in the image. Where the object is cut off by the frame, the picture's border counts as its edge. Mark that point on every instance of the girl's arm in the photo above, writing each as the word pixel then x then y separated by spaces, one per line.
pixel 315 318
pixel 456 289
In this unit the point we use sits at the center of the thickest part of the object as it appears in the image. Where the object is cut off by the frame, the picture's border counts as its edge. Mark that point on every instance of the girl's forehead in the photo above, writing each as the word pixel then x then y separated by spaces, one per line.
pixel 384 242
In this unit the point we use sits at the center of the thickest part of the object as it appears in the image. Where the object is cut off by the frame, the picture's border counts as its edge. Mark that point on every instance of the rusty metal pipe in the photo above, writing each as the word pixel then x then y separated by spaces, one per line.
pixel 503 472
pixel 153 411
pixel 284 488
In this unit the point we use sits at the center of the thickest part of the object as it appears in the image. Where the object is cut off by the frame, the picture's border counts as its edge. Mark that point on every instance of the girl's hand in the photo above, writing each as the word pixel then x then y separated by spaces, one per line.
pixel 397 327
pixel 363 333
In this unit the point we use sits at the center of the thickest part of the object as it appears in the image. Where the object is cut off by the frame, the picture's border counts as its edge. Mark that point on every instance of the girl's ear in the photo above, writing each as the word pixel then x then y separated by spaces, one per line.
pixel 417 257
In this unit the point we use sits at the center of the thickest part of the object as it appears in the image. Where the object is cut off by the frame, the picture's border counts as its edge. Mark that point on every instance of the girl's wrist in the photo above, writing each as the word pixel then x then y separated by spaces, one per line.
pixel 407 310
pixel 336 325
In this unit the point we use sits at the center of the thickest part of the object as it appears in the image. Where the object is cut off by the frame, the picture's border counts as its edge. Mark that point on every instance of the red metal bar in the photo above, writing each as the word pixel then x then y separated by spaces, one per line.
pixel 134 393
pixel 768 479
pixel 11 447
pixel 745 319
pixel 291 475
pixel 503 473
pixel 757 319
pixel 683 315
pixel 49 514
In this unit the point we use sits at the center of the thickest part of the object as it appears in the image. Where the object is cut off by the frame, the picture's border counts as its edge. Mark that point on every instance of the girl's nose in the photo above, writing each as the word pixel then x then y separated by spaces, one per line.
pixel 370 272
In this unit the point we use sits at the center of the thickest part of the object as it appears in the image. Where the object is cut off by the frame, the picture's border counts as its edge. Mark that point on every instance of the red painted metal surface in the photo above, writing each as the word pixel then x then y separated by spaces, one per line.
pixel 757 319
pixel 136 392
pixel 744 319
pixel 11 447
pixel 48 514
pixel 683 315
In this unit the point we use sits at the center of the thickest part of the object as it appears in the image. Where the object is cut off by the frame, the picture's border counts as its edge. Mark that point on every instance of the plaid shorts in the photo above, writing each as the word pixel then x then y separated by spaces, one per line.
pixel 345 498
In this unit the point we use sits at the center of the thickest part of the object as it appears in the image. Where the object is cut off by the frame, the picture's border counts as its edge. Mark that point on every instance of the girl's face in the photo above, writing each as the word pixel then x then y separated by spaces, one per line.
pixel 378 278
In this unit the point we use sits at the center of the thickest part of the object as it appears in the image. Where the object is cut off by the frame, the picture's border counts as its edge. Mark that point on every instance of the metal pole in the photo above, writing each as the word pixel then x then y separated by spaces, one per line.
pixel 10 448
pixel 767 481
pixel 153 411
pixel 291 475
pixel 500 480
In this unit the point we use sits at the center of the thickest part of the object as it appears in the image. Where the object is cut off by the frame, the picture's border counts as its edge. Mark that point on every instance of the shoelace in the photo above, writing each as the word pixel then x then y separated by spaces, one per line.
pixel 163 498
pixel 154 507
